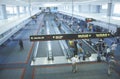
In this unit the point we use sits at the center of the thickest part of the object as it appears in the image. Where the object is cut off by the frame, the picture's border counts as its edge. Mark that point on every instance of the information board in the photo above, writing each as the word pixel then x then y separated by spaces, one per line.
pixel 68 36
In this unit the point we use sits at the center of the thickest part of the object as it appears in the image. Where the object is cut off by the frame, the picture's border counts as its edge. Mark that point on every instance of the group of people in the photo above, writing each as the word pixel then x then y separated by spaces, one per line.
pixel 76 48
pixel 78 52
pixel 109 53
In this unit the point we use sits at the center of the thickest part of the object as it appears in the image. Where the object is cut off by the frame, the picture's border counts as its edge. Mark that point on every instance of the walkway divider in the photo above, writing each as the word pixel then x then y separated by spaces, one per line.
pixel 35 51
pixel 50 53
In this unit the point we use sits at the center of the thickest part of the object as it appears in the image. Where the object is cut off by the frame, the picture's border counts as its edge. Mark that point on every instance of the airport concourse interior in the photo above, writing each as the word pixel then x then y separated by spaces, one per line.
pixel 59 39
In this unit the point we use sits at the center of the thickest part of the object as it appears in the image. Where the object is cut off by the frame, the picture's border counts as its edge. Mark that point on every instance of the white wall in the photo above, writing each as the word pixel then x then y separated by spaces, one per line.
pixel 84 8
pixel 0 13
pixel 80 8
pixel 94 8
pixel 76 8
pixel 89 8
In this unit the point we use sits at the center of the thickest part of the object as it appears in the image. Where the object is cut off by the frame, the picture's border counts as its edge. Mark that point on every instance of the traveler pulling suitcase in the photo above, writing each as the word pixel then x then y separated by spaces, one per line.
pixel 98 58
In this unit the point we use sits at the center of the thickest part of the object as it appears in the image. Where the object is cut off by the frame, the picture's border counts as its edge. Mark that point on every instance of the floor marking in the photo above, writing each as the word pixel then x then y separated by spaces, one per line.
pixel 33 73
pixel 23 73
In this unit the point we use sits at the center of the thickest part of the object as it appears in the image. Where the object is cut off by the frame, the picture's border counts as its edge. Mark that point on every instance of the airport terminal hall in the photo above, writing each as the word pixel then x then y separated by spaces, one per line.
pixel 59 39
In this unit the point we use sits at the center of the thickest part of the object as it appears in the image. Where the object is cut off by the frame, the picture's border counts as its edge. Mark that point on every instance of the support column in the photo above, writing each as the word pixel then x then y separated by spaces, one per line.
pixel 29 9
pixel 109 12
pixel 3 12
pixel 18 10
pixel 25 9
pixel 89 6
pixel 72 11
pixel 98 9
pixel 79 8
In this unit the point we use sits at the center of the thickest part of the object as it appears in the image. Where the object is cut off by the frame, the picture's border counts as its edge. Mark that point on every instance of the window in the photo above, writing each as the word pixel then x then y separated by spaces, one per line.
pixel 105 6
pixel 9 10
pixel 14 10
pixel 116 9
pixel 21 9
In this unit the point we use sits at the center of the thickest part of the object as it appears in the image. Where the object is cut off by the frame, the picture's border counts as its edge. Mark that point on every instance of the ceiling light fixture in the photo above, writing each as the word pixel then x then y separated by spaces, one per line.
pixel 50 5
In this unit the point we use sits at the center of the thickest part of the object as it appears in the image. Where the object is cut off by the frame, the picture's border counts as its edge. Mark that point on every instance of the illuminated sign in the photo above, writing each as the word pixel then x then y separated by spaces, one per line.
pixel 102 35
pixel 89 19
pixel 68 36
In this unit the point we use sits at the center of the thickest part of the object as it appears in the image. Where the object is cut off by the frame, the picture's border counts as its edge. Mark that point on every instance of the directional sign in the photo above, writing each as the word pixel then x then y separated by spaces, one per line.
pixel 68 36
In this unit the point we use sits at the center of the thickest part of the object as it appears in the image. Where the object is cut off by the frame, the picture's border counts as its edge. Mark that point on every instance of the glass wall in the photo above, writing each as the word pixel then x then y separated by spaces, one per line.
pixel 11 11
pixel 116 9
pixel 21 10
pixel 104 8
pixel 14 11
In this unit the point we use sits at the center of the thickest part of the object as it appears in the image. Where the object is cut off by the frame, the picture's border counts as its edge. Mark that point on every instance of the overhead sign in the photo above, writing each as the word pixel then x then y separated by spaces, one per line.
pixel 89 19
pixel 68 36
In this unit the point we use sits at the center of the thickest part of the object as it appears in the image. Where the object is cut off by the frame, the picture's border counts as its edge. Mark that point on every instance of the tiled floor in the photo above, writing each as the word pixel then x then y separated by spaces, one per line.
pixel 11 73
pixel 61 60
pixel 84 71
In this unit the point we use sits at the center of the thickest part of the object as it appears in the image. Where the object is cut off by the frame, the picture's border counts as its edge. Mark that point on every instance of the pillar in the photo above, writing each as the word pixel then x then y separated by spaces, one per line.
pixel 98 8
pixel 109 11
pixel 29 9
pixel 18 10
pixel 90 6
pixel 3 12
pixel 25 9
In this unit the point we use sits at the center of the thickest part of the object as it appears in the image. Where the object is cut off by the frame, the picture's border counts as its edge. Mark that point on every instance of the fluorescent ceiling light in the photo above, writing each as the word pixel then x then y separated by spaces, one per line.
pixel 88 1
pixel 50 5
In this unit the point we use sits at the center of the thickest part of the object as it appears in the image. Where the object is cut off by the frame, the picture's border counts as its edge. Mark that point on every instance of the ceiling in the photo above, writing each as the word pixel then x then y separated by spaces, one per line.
pixel 59 2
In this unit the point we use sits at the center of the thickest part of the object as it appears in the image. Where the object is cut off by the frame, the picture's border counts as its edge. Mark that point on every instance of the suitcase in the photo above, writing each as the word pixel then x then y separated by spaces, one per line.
pixel 83 57
pixel 99 59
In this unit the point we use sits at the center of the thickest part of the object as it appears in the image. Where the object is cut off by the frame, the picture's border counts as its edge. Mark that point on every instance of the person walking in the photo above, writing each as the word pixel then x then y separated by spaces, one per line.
pixel 21 44
pixel 75 48
pixel 107 54
pixel 113 48
pixel 80 52
pixel 74 63
pixel 118 39
pixel 111 65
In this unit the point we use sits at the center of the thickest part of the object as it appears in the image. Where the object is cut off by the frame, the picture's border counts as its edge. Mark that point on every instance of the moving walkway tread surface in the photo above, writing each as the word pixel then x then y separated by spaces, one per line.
pixel 84 71
pixel 55 46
